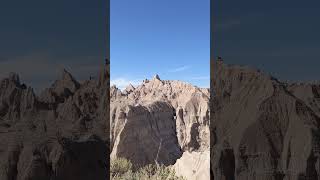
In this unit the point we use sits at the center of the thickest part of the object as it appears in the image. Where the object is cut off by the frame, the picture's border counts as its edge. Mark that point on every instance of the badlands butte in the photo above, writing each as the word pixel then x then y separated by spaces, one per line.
pixel 262 128
pixel 69 131
pixel 162 122
pixel 60 134
pixel 250 126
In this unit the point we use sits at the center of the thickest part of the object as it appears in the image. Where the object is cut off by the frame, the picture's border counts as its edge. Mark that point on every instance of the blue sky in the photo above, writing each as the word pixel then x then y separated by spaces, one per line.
pixel 39 38
pixel 279 37
pixel 170 38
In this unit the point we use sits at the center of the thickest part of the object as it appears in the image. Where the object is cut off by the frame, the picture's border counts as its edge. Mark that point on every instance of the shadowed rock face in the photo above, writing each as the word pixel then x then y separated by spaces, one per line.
pixel 61 134
pixel 263 129
pixel 146 134
pixel 159 120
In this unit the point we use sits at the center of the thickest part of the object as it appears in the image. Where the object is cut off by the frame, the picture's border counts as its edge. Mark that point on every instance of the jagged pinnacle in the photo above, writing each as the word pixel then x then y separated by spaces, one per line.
pixel 66 74
pixel 130 87
pixel 156 77
pixel 14 77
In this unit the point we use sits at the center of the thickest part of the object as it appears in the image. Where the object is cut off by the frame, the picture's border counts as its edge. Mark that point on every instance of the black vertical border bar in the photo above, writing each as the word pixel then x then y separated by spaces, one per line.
pixel 211 88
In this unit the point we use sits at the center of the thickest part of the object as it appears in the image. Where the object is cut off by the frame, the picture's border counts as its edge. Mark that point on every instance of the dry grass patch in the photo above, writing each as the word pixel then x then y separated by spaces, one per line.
pixel 121 169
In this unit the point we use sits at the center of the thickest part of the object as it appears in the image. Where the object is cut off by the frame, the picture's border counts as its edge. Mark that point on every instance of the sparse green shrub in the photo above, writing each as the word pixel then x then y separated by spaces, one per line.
pixel 121 169
pixel 120 166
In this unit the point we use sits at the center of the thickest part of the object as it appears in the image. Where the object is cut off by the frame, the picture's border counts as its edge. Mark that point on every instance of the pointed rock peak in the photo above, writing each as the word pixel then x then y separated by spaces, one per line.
pixel 66 74
pixel 14 77
pixel 66 82
pixel 130 86
pixel 145 81
pixel 113 86
pixel 104 74
pixel 156 77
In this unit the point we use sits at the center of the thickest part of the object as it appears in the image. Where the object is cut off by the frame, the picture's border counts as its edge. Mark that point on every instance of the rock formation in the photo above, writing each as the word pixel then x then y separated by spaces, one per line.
pixel 194 165
pixel 159 120
pixel 261 128
pixel 59 135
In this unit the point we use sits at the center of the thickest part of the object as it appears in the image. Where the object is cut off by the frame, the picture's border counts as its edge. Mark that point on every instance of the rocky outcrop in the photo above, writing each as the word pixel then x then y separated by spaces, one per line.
pixel 262 129
pixel 158 120
pixel 61 89
pixel 309 93
pixel 61 134
pixel 145 134
pixel 129 89
pixel 194 165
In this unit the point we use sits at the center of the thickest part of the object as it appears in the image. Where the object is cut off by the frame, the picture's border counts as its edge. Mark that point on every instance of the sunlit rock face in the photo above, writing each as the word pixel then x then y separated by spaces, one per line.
pixel 263 129
pixel 159 120
pixel 194 165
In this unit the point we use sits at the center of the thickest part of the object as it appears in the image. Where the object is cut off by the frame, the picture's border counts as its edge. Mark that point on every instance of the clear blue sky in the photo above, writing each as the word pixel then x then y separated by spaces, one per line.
pixel 166 37
pixel 280 37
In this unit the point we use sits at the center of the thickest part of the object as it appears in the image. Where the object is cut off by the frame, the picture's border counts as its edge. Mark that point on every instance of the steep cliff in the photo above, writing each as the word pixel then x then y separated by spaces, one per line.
pixel 262 128
pixel 158 120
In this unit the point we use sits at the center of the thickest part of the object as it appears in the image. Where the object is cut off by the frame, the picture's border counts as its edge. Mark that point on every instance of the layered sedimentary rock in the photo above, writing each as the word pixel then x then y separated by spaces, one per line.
pixel 145 134
pixel 60 134
pixel 158 120
pixel 263 129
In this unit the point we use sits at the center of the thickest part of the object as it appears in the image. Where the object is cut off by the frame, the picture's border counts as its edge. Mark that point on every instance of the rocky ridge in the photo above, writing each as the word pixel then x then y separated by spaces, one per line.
pixel 158 121
pixel 60 134
pixel 261 128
